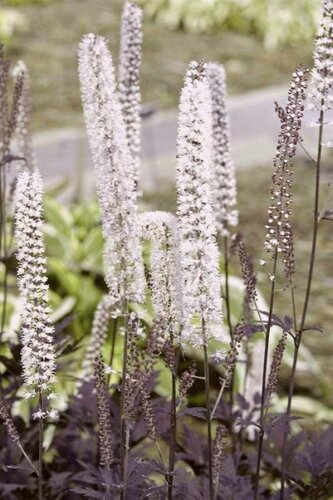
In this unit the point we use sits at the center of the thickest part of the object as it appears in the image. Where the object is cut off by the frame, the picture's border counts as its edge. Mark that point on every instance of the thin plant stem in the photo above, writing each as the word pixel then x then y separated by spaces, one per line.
pixel 124 429
pixel 227 294
pixel 218 399
pixel 173 417
pixel 299 334
pixel 159 451
pixel 40 449
pixel 26 456
pixel 208 419
pixel 113 345
pixel 228 314
pixel 264 376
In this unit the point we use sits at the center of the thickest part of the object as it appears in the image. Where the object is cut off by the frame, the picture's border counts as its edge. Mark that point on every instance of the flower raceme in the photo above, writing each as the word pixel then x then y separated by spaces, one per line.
pixel 223 165
pixel 321 84
pixel 38 356
pixel 197 223
pixel 279 235
pixel 114 169
pixel 129 79
pixel 160 228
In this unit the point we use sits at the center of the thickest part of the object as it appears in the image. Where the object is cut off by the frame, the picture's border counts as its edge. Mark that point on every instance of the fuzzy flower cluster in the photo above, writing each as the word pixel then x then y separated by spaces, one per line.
pixel 279 232
pixel 201 281
pixel 38 356
pixel 321 87
pixel 223 165
pixel 98 336
pixel 129 78
pixel 160 228
pixel 114 173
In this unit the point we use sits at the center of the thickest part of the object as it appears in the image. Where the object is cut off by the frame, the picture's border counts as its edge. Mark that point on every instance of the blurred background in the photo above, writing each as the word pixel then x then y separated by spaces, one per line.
pixel 260 43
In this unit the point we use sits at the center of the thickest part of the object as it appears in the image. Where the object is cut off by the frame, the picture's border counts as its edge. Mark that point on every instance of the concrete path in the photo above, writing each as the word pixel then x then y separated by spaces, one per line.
pixel 63 154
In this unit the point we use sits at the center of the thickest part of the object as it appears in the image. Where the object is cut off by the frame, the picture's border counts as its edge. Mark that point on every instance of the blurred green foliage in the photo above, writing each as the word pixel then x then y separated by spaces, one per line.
pixel 16 3
pixel 277 22
pixel 10 22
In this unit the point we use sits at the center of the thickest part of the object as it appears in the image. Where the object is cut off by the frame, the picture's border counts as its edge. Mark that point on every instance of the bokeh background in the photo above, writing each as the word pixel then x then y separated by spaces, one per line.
pixel 259 41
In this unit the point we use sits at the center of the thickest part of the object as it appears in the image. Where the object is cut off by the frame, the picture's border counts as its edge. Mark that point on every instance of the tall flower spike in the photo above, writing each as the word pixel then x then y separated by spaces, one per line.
pixel 114 173
pixel 23 132
pixel 223 165
pixel 129 79
pixel 321 86
pixel 38 357
pixel 279 233
pixel 161 229
pixel 197 224
pixel 98 336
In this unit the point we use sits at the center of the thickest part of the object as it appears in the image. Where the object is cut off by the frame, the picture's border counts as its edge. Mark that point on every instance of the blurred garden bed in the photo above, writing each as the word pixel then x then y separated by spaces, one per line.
pixel 48 44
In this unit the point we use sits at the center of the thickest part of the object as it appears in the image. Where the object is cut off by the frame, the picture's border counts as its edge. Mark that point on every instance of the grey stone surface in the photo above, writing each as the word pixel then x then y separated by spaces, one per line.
pixel 63 154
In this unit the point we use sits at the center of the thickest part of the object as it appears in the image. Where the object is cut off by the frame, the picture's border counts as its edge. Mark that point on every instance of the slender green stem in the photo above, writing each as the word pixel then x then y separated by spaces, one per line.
pixel 173 425
pixel 228 314
pixel 40 449
pixel 218 399
pixel 208 419
pixel 113 345
pixel 227 294
pixel 124 428
pixel 299 335
pixel 264 377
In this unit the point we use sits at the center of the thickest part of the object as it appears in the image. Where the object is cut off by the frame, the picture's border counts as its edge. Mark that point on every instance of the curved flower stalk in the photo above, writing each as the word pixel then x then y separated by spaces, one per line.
pixel 197 225
pixel 98 336
pixel 223 165
pixel 114 173
pixel 129 79
pixel 38 356
pixel 161 229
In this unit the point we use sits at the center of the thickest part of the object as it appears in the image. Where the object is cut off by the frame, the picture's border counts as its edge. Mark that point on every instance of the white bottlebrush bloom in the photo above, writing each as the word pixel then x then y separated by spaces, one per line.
pixel 160 228
pixel 129 78
pixel 114 173
pixel 223 165
pixel 38 357
pixel 321 85
pixel 98 336
pixel 197 223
